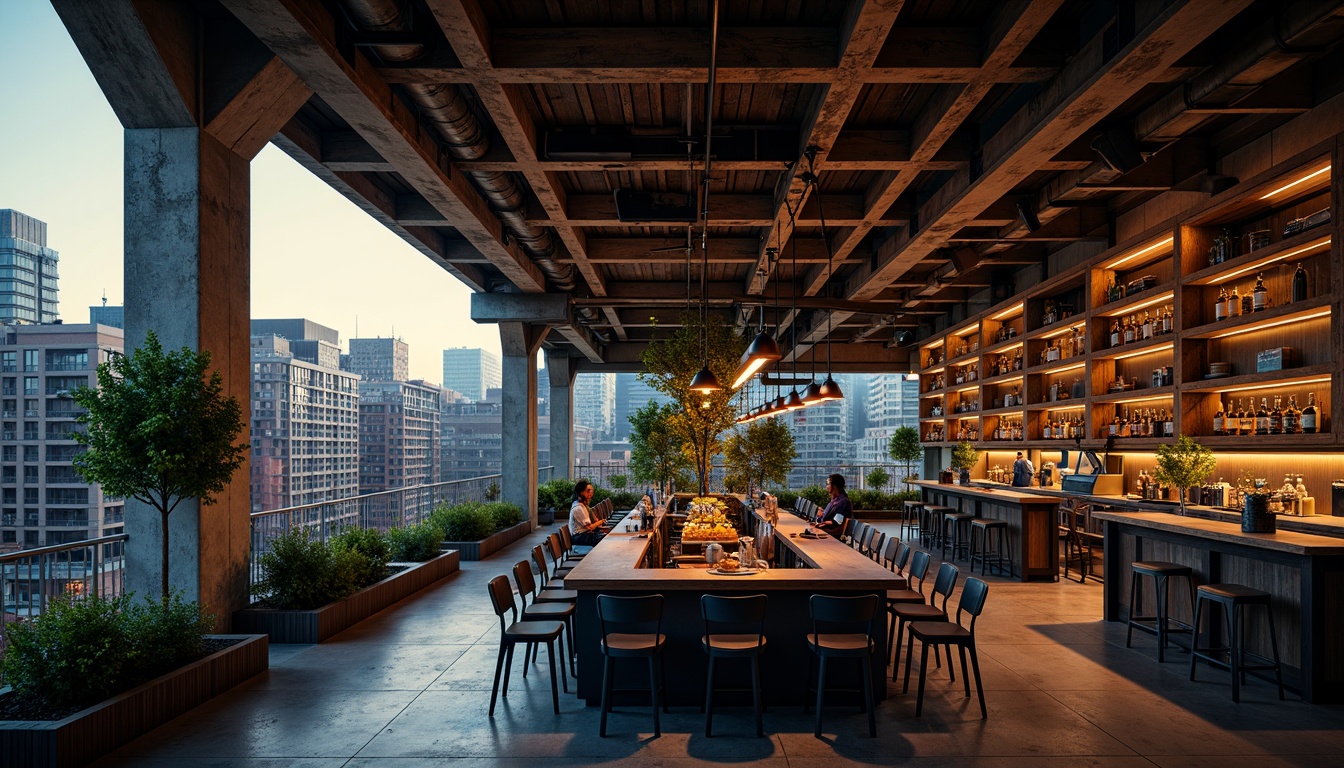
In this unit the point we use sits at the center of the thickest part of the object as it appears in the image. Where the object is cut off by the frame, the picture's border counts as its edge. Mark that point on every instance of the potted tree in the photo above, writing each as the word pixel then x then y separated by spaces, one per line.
pixel 760 452
pixel 877 479
pixel 1183 465
pixel 905 448
pixel 964 456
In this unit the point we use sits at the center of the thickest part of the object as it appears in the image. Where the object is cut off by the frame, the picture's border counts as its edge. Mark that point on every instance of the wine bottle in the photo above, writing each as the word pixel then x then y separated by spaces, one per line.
pixel 1115 332
pixel 1259 295
pixel 1292 417
pixel 1129 330
pixel 1262 418
pixel 1245 419
pixel 1220 305
pixel 1218 419
pixel 1234 303
pixel 1311 420
pixel 1276 417
pixel 1300 283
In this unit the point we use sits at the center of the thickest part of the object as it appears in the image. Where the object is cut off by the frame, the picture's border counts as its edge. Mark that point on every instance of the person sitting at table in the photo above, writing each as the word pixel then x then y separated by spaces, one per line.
pixel 838 510
pixel 583 529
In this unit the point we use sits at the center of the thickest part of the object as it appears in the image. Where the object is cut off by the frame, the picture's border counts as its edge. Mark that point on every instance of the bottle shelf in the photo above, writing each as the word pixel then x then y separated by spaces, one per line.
pixel 1003 346
pixel 1151 346
pixel 1012 410
pixel 1056 367
pixel 1156 296
pixel 1299 246
pixel 1132 396
pixel 1001 379
pixel 1060 405
pixel 1266 442
pixel 1273 317
pixel 1291 377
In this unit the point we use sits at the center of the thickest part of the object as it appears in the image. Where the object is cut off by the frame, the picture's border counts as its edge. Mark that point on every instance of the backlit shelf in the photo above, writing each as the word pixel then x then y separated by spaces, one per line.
pixel 1153 297
pixel 1300 246
pixel 1136 396
pixel 1284 314
pixel 1290 377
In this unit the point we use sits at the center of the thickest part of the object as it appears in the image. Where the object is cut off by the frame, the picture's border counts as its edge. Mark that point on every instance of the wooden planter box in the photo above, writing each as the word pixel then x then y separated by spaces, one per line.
pixel 318 624
pixel 93 732
pixel 480 550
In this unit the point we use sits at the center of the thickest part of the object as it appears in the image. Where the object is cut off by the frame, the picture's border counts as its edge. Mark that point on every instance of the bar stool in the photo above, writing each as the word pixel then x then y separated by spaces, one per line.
pixel 1161 573
pixel 1233 598
pixel 989 529
pixel 734 629
pixel 842 627
pixel 626 622
pixel 957 521
pixel 931 525
pixel 547 580
pixel 910 515
pixel 876 545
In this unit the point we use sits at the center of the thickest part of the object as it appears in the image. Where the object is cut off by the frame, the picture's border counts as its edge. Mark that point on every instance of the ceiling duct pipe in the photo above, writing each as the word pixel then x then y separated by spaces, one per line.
pixel 465 137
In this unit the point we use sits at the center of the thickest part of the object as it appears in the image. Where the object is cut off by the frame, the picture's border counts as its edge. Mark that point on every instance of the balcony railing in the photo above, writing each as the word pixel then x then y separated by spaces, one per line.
pixel 30 578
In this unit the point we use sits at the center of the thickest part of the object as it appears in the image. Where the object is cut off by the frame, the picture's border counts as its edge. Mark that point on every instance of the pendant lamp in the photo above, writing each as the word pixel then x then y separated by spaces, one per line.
pixel 829 389
pixel 705 382
pixel 762 350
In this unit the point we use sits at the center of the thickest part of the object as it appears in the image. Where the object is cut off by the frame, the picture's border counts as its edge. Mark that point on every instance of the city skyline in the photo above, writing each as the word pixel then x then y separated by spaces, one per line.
pixel 65 169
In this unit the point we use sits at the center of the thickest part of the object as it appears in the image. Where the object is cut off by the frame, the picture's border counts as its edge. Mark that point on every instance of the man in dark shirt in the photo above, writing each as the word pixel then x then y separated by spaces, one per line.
pixel 1023 471
pixel 838 510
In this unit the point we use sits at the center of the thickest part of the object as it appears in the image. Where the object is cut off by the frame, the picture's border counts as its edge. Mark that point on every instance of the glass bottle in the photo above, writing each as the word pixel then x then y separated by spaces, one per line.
pixel 1300 283
pixel 1292 417
pixel 1276 417
pixel 1218 419
pixel 1245 420
pixel 1115 332
pixel 1311 419
pixel 1220 305
pixel 1129 330
pixel 1234 303
pixel 1262 418
pixel 1166 320
pixel 1147 327
pixel 1259 295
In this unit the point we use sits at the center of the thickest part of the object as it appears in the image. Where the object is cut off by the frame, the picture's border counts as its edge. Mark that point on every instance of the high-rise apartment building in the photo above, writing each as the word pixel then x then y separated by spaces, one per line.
pixel 595 403
pixel 380 359
pixel 471 372
pixel 305 417
pixel 399 423
pixel 112 317
pixel 472 440
pixel 43 500
pixel 631 395
pixel 892 401
pixel 29 283
pixel 821 438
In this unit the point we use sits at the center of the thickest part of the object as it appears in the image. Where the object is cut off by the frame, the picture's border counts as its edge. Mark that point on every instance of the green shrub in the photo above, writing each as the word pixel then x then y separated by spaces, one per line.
pixel 618 481
pixel 469 521
pixel 299 572
pixel 371 555
pixel 787 499
pixel 865 499
pixel 625 499
pixel 557 493
pixel 74 654
pixel 414 543
pixel 164 636
pixel 504 514
pixel 815 494
pixel 877 479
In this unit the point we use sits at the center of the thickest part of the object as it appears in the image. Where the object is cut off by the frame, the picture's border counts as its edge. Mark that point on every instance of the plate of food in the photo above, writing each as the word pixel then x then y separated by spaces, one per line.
pixel 734 572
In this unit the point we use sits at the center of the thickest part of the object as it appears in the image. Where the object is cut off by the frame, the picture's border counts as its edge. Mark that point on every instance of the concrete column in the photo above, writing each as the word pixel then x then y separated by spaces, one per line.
pixel 520 343
pixel 187 269
pixel 561 370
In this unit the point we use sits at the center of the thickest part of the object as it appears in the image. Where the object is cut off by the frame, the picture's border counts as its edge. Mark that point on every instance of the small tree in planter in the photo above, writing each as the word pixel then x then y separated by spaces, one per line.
pixel 761 452
pixel 877 479
pixel 1184 465
pixel 905 448
pixel 160 430
pixel 964 456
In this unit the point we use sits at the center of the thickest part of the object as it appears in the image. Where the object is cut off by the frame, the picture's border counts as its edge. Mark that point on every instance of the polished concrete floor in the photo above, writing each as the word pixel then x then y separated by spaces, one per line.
pixel 410 688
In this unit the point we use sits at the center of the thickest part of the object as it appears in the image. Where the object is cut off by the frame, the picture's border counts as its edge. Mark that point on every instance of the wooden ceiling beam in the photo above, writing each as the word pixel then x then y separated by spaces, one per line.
pixel 722 250
pixel 730 210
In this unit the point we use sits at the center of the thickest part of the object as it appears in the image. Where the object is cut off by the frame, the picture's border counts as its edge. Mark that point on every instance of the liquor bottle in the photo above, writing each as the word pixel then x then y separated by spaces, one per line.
pixel 1234 303
pixel 1115 332
pixel 1113 429
pixel 1244 421
pixel 1276 417
pixel 1311 419
pixel 1129 330
pixel 1262 418
pixel 1169 426
pixel 1300 283
pixel 1292 417
pixel 1166 320
pixel 1147 327
pixel 1259 296
pixel 1220 305
pixel 1218 419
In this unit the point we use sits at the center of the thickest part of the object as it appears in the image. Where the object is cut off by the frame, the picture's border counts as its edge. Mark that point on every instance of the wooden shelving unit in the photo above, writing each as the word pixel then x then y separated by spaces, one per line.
pixel 1236 238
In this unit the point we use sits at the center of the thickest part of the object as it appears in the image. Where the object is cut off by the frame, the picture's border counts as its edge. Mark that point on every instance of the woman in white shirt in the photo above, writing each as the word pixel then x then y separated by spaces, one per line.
pixel 583 529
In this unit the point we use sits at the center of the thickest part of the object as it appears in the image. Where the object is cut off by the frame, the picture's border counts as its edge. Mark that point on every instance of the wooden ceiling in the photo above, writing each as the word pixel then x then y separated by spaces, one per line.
pixel 931 122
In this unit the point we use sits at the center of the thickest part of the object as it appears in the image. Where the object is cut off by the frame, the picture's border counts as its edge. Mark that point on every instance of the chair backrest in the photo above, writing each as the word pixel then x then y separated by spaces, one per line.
pixel 501 598
pixel 539 558
pixel 522 578
pixel 903 557
pixel 842 614
pixel 635 615
pixel 566 538
pixel 944 584
pixel 734 615
pixel 972 601
pixel 875 546
pixel 865 538
pixel 847 530
pixel 555 548
pixel 919 568
pixel 891 551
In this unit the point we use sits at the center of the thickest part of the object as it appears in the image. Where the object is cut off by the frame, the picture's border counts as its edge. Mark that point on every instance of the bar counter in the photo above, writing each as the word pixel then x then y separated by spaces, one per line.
pixel 1303 572
pixel 825 566
pixel 1031 519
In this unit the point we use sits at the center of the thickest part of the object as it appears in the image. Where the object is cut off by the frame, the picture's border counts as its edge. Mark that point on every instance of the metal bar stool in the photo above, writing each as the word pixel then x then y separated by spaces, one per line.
pixel 734 629
pixel 940 633
pixel 957 522
pixel 1234 598
pixel 1162 573
pixel 983 531
pixel 910 516
pixel 904 613
pixel 842 627
pixel 626 622
pixel 931 525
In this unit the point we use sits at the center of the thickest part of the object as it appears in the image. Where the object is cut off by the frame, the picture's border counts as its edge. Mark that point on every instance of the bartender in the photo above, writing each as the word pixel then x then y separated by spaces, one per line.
pixel 1023 471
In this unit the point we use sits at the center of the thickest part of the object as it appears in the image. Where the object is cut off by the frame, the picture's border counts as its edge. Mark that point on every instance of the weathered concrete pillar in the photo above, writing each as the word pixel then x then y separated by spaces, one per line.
pixel 561 370
pixel 187 268
pixel 520 342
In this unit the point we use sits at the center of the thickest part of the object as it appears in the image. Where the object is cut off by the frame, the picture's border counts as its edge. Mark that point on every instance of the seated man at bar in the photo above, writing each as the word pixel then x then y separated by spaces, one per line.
pixel 838 510
pixel 583 529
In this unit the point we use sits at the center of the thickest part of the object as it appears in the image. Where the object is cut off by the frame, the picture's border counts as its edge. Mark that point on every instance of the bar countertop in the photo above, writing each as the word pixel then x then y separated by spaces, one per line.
pixel 1004 493
pixel 615 564
pixel 1290 542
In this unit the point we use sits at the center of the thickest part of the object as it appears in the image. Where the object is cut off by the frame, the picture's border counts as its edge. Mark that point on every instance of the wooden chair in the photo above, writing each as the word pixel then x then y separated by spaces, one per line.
pixel 842 628
pixel 903 613
pixel 734 629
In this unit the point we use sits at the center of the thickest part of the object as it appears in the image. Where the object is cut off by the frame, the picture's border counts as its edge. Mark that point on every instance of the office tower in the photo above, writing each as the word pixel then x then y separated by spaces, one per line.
pixel 472 439
pixel 471 371
pixel 631 395
pixel 595 403
pixel 380 359
pixel 30 284
pixel 399 423
pixel 305 417
pixel 821 438
pixel 112 317
pixel 43 501
pixel 892 402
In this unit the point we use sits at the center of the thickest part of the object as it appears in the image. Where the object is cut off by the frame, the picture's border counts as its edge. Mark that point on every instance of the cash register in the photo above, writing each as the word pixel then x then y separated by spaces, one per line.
pixel 1093 476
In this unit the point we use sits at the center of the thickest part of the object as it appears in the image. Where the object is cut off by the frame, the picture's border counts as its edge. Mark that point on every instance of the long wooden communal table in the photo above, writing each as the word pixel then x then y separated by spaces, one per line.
pixel 1303 572
pixel 1032 522
pixel 822 566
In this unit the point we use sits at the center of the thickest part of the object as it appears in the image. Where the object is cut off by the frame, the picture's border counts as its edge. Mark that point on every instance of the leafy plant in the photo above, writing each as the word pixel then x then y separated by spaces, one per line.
pixel 300 572
pixel 761 452
pixel 414 543
pixel 504 514
pixel 470 521
pixel 905 448
pixel 625 499
pixel 655 447
pixel 877 479
pixel 164 635
pixel 492 492
pixel 73 654
pixel 1184 465
pixel 372 554
pixel 964 456
pixel 557 493
pixel 787 499
pixel 160 430
pixel 618 481
pixel 815 494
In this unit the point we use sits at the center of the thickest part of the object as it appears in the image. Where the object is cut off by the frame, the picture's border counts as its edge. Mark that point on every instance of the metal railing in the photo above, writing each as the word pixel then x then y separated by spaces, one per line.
pixel 31 578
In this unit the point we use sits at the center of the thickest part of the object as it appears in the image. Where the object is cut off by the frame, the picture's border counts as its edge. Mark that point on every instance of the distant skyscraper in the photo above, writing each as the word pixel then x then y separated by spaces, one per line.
pixel 471 372
pixel 28 279
pixel 112 317
pixel 380 359
pixel 595 402
pixel 892 402
pixel 631 395
pixel 305 417
pixel 399 423
pixel 821 438
pixel 43 501
pixel 472 440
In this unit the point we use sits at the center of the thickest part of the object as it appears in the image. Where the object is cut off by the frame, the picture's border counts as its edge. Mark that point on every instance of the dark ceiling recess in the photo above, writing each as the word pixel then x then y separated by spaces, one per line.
pixel 617 145
pixel 1026 208
pixel 645 206
pixel 1118 149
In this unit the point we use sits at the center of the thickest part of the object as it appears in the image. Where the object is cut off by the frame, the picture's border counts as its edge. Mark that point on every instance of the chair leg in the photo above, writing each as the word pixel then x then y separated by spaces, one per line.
pixel 891 640
pixel 900 635
pixel 508 668
pixel 909 662
pixel 868 695
pixel 499 670
pixel 1161 588
pixel 653 693
pixel 1194 637
pixel 709 699
pixel 1133 602
pixel 923 673
pixel 965 678
pixel 821 688
pixel 979 689
pixel 564 680
pixel 555 691
pixel 1234 650
pixel 756 692
pixel 607 664
pixel 1274 647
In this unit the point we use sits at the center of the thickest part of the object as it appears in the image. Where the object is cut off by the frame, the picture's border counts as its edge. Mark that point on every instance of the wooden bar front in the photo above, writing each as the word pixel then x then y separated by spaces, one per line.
pixel 1031 519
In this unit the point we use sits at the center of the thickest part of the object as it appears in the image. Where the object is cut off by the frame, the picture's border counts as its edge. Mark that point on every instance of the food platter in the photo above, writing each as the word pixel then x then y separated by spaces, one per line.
pixel 738 572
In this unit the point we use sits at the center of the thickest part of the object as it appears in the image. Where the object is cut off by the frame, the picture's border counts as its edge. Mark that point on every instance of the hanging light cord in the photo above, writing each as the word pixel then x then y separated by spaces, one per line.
pixel 830 257
pixel 704 195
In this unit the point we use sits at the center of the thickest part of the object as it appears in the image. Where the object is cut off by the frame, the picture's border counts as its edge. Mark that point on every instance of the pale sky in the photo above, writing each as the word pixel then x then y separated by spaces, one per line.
pixel 314 254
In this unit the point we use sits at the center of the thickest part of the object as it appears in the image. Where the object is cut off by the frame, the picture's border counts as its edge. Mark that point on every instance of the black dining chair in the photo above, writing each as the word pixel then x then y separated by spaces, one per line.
pixel 734 629
pixel 632 628
pixel 548 582
pixel 949 634
pixel 842 628
pixel 902 613
pixel 513 632
pixel 542 610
